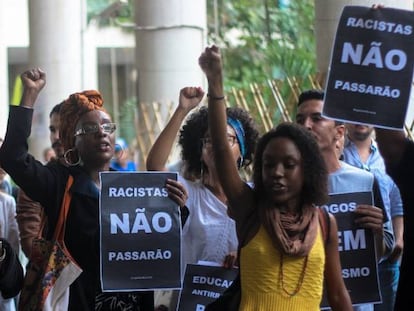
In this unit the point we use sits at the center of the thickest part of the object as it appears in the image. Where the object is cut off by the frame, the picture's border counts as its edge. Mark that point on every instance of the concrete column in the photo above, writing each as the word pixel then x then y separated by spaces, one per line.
pixel 170 36
pixel 13 33
pixel 90 58
pixel 56 46
pixel 4 86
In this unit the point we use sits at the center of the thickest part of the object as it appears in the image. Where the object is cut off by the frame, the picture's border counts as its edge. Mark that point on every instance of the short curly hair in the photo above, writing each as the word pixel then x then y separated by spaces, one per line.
pixel 315 187
pixel 195 129
pixel 72 109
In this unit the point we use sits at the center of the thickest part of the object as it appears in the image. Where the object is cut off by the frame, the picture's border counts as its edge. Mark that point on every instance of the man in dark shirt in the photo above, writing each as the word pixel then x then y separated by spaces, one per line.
pixel 398 153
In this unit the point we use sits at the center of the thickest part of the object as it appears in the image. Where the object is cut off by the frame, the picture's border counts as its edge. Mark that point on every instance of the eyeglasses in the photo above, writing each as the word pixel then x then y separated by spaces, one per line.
pixel 90 128
pixel 231 139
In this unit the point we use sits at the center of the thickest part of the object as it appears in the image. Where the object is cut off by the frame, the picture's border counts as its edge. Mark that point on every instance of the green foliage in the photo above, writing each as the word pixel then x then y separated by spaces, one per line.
pixel 127 115
pixel 262 40
pixel 96 7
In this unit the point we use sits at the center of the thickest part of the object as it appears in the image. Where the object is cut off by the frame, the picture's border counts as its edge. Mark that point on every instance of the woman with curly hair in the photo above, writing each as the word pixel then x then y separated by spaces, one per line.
pixel 208 233
pixel 88 138
pixel 283 255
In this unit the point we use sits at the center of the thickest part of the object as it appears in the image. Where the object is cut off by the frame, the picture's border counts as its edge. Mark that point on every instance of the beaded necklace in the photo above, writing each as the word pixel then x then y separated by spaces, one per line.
pixel 301 277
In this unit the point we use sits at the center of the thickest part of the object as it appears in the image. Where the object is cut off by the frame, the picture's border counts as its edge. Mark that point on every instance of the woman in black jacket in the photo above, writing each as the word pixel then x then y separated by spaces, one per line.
pixel 88 138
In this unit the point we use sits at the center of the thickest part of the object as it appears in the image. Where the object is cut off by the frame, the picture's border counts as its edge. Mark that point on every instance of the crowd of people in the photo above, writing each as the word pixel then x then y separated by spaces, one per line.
pixel 268 225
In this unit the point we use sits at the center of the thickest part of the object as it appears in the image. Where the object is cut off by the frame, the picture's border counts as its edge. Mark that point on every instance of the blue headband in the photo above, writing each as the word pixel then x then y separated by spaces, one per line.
pixel 238 129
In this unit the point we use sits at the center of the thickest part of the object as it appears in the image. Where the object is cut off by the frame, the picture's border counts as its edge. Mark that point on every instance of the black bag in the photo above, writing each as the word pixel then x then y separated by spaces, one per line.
pixel 229 300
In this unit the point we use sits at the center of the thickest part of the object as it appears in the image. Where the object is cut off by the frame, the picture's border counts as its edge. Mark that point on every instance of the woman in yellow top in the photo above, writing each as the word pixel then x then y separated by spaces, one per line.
pixel 283 260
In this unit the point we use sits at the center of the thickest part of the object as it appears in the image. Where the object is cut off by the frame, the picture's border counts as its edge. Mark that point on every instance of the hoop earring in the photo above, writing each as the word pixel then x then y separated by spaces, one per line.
pixel 121 149
pixel 66 157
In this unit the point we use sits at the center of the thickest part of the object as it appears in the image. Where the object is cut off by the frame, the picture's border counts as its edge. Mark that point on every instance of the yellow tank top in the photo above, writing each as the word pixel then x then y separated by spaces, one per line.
pixel 261 278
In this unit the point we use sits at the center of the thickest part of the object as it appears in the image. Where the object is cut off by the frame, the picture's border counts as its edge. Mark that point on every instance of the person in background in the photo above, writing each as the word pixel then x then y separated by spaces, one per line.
pixel 208 233
pixel 340 148
pixel 6 185
pixel 88 138
pixel 121 160
pixel 284 259
pixel 9 234
pixel 48 154
pixel 361 151
pixel 29 213
pixel 397 151
pixel 344 178
pixel 11 271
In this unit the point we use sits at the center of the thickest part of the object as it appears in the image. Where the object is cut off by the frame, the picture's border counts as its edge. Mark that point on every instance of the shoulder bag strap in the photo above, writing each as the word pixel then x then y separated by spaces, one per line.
pixel 43 221
pixel 60 226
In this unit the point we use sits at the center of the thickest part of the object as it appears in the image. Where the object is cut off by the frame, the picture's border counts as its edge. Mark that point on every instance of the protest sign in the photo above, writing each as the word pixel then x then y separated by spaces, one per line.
pixel 204 284
pixel 356 249
pixel 140 232
pixel 371 71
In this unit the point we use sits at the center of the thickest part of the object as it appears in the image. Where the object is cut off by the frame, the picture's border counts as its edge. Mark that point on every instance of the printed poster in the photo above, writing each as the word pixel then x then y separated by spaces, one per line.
pixel 140 232
pixel 204 284
pixel 371 71
pixel 357 249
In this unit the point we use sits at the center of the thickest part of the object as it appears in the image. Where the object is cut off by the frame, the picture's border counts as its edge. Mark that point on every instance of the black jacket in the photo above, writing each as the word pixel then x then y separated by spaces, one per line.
pixel 46 184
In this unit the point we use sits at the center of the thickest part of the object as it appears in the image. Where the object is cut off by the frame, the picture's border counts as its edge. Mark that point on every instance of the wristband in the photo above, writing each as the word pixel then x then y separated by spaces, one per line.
pixel 216 97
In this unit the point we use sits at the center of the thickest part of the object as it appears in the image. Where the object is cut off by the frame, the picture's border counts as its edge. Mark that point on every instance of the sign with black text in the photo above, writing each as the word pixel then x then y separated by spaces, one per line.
pixel 371 71
pixel 140 232
pixel 356 248
pixel 204 284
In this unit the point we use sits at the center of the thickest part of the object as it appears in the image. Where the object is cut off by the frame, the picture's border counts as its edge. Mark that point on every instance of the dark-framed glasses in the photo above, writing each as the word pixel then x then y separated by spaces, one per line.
pixel 231 139
pixel 91 128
